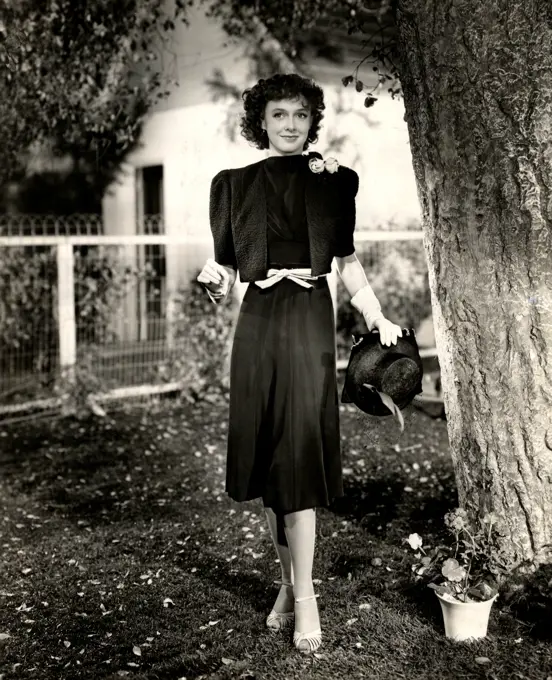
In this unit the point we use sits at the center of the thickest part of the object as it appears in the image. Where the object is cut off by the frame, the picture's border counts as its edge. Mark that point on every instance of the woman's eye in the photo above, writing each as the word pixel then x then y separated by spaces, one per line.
pixel 279 114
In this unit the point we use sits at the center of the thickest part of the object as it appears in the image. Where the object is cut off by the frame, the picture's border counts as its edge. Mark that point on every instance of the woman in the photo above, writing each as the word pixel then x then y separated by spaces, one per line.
pixel 280 222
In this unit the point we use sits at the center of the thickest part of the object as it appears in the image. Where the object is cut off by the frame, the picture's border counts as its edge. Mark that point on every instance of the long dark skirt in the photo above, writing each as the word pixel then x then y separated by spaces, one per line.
pixel 283 435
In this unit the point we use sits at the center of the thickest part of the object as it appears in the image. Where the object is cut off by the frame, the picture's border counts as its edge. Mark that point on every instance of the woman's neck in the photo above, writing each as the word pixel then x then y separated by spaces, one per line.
pixel 273 154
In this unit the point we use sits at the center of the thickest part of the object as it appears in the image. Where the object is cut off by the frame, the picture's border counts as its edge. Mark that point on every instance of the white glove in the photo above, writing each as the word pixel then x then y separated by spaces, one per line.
pixel 389 331
pixel 366 302
pixel 216 280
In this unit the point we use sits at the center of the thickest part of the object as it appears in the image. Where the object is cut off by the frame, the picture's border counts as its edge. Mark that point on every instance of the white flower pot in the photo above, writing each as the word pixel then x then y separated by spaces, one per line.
pixel 465 620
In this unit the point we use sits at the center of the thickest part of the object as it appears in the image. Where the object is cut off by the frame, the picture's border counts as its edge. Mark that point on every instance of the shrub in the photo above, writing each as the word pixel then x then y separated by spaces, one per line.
pixel 101 283
pixel 200 336
pixel 29 316
pixel 26 296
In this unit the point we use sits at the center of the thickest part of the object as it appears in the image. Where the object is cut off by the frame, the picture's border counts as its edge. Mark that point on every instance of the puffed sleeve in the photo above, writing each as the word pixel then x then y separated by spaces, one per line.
pixel 348 189
pixel 219 218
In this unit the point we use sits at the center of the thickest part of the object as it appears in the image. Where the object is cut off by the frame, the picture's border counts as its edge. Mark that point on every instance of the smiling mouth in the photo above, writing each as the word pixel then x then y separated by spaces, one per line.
pixel 290 136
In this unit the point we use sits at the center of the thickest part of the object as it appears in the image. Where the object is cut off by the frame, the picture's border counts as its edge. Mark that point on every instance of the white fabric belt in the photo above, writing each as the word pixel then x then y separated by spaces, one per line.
pixel 300 276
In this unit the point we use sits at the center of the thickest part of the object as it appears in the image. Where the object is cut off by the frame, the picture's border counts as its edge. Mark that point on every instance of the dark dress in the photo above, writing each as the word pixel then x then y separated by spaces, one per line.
pixel 283 437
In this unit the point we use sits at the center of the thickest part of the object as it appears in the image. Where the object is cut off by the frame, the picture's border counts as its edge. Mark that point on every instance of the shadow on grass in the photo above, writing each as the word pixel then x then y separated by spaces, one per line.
pixel 377 503
pixel 529 600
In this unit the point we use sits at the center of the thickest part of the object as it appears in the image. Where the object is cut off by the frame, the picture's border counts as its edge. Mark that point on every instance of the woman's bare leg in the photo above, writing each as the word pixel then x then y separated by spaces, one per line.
pixel 284 601
pixel 301 537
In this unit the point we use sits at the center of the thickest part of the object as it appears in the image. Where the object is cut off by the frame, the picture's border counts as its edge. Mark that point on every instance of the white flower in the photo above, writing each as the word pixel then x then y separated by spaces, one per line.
pixel 318 165
pixel 415 541
pixel 332 165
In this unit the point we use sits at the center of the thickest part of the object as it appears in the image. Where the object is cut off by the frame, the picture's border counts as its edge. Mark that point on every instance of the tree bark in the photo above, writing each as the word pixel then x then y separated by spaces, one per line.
pixel 477 84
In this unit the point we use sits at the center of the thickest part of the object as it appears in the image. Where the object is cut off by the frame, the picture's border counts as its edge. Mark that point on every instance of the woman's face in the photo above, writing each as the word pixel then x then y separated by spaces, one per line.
pixel 287 123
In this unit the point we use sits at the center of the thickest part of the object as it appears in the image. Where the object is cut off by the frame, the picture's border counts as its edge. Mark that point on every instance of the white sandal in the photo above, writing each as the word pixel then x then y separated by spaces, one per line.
pixel 279 620
pixel 313 639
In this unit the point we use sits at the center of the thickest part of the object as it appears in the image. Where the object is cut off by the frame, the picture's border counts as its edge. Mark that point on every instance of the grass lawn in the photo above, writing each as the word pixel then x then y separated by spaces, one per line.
pixel 122 557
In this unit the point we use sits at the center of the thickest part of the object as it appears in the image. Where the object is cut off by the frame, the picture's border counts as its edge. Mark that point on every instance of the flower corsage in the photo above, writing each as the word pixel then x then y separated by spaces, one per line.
pixel 318 165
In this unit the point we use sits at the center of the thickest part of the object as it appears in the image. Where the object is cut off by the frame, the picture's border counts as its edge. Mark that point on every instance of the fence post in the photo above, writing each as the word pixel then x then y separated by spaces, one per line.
pixel 66 308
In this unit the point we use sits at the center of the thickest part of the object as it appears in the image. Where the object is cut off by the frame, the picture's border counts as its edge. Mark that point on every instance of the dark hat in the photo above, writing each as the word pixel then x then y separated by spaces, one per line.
pixel 395 371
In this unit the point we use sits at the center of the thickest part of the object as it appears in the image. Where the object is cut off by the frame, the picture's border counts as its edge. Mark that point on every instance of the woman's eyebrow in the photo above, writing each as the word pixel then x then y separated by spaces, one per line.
pixel 280 108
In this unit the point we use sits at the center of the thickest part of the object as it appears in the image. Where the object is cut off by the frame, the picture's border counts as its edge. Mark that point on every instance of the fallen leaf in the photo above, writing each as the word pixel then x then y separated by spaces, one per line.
pixel 227 662
pixel 365 605
pixel 136 650
pixel 482 659
pixel 4 636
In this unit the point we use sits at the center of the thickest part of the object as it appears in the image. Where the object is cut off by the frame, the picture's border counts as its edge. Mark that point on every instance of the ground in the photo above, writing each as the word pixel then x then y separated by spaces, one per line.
pixel 123 557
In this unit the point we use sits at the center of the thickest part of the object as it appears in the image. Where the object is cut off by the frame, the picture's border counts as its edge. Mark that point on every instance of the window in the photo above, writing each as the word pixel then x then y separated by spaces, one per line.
pixel 150 220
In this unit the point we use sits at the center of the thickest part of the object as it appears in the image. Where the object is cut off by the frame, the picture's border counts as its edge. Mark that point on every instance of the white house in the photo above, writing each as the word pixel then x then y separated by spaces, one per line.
pixel 185 143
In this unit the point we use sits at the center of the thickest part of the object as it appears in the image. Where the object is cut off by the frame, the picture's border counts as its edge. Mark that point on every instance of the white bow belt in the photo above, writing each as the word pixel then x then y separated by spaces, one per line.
pixel 300 276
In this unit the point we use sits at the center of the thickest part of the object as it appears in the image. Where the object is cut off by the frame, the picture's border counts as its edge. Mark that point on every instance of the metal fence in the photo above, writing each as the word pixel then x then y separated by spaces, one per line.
pixel 67 299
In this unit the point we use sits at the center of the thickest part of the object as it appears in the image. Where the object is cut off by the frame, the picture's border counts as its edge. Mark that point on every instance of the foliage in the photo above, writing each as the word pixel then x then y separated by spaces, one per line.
pixel 201 335
pixel 101 283
pixel 473 566
pixel 28 294
pixel 238 16
pixel 315 25
pixel 77 81
pixel 28 316
pixel 398 275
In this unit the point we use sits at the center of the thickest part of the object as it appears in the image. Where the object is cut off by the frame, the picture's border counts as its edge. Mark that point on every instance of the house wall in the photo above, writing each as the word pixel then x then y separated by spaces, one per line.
pixel 187 134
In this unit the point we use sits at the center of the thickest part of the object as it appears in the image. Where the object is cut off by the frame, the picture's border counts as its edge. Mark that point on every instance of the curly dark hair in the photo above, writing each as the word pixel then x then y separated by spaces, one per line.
pixel 275 88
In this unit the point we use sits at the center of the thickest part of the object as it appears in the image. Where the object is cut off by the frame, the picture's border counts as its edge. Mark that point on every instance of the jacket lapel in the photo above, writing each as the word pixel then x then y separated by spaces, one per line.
pixel 250 215
pixel 319 208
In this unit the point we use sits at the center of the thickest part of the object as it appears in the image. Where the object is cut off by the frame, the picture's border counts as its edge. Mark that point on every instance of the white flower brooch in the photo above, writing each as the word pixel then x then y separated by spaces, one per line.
pixel 318 165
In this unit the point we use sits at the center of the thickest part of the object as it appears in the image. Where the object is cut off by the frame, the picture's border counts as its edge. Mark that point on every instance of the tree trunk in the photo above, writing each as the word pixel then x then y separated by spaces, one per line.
pixel 477 83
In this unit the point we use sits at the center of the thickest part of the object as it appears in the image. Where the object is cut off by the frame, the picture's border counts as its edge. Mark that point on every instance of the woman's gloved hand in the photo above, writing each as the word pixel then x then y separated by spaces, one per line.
pixel 215 278
pixel 389 331
pixel 366 302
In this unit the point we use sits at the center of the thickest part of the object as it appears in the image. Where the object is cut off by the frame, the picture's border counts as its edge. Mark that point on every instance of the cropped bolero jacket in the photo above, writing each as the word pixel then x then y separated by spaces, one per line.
pixel 237 214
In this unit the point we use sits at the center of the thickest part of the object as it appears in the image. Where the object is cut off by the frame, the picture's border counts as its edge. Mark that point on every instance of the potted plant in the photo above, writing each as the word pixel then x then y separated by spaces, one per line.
pixel 465 573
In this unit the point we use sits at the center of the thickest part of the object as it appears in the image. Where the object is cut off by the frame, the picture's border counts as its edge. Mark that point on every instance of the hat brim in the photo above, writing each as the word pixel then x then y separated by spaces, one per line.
pixel 396 371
